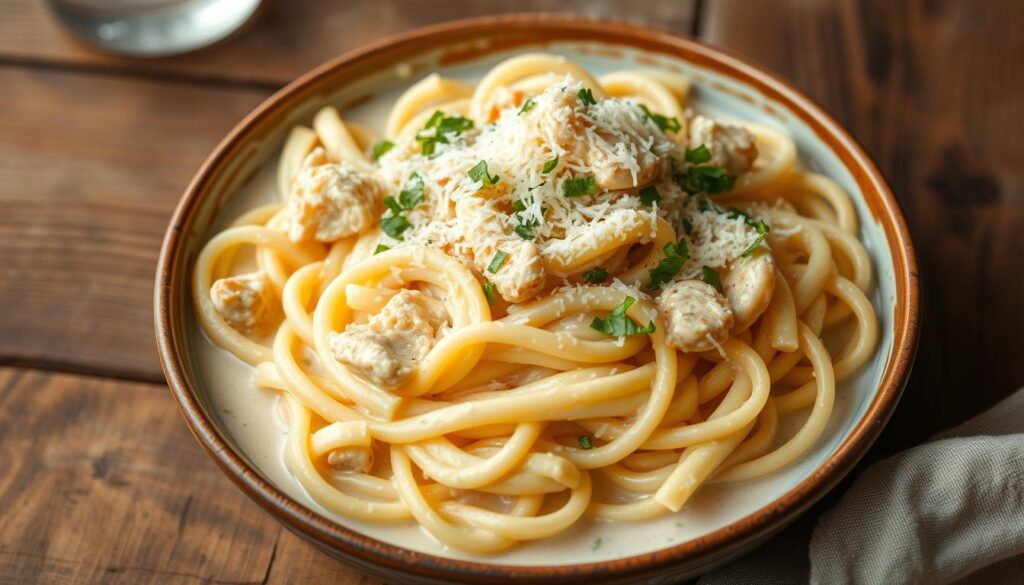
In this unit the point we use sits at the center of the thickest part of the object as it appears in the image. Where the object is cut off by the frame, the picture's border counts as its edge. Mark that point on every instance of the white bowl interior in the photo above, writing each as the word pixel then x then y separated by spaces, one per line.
pixel 248 415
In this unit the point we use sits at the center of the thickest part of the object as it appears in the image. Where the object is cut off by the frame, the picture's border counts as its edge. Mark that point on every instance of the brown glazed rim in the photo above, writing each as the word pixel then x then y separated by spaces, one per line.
pixel 505 32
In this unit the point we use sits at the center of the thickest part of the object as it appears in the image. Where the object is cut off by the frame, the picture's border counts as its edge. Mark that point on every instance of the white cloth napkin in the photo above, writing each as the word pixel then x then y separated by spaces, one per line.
pixel 948 511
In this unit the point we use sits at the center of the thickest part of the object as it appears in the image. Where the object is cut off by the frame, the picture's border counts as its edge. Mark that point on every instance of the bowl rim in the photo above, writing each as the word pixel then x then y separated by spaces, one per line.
pixel 371 554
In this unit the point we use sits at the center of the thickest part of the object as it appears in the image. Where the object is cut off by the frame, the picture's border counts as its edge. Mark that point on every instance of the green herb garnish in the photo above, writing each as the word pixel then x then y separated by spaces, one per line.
pixel 394 226
pixel 412 192
pixel 585 442
pixel 669 266
pixel 762 232
pixel 527 106
pixel 711 277
pixel 479 173
pixel 381 148
pixel 380 248
pixel 687 227
pixel 579 186
pixel 595 275
pixel 698 155
pixel 664 123
pixel 550 165
pixel 617 324
pixel 488 291
pixel 649 195
pixel 497 261
pixel 586 96
pixel 596 544
pixel 440 129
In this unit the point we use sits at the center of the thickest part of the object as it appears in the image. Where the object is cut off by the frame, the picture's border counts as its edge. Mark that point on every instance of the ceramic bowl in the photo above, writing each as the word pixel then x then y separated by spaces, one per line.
pixel 720 523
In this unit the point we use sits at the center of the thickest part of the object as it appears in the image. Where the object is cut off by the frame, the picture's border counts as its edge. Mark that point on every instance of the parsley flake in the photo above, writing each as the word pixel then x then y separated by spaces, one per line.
pixel 479 173
pixel 669 266
pixel 585 442
pixel 579 186
pixel 381 148
pixel 394 226
pixel 595 275
pixel 617 324
pixel 711 277
pixel 649 195
pixel 596 544
pixel 762 232
pixel 664 123
pixel 497 261
pixel 698 155
pixel 488 288
pixel 380 248
pixel 550 165
pixel 412 192
pixel 527 106
pixel 706 179
pixel 440 129
pixel 410 196
pixel 586 96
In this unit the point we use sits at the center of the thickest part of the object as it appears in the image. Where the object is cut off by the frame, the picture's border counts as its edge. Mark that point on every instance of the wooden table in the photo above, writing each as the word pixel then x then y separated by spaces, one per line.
pixel 99 478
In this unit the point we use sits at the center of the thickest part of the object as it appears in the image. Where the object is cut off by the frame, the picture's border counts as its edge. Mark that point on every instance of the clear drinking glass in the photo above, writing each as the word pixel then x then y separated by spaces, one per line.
pixel 152 28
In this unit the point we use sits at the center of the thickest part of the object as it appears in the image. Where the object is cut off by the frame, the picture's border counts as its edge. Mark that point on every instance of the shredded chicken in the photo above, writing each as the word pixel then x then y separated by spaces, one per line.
pixel 521 275
pixel 357 459
pixel 330 201
pixel 385 350
pixel 247 302
pixel 591 145
pixel 695 315
pixel 730 146
pixel 748 284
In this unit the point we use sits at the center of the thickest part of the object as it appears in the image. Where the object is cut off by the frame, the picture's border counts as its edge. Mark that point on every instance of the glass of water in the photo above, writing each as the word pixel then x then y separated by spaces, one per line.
pixel 152 28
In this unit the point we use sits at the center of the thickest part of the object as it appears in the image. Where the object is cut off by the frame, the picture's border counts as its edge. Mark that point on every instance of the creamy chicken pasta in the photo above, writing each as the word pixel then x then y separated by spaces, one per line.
pixel 545 296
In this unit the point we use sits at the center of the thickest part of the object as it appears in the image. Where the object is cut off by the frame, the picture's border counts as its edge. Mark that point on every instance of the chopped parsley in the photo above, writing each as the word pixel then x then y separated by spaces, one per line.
pixel 736 213
pixel 527 106
pixel 649 195
pixel 497 261
pixel 762 232
pixel 381 148
pixel 550 165
pixel 617 324
pixel 525 230
pixel 586 96
pixel 596 544
pixel 488 288
pixel 579 186
pixel 479 173
pixel 535 187
pixel 380 248
pixel 585 442
pixel 669 266
pixel 703 178
pixel 394 226
pixel 595 275
pixel 524 226
pixel 664 123
pixel 711 277
pixel 410 196
pixel 440 129
pixel 698 155
pixel 687 227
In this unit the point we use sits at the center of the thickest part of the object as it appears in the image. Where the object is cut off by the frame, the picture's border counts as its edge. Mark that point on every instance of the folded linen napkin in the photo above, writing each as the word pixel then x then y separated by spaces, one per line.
pixel 948 511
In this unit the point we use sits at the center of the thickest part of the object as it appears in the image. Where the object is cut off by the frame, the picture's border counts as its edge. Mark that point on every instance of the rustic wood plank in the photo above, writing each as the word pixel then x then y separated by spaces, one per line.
pixel 932 89
pixel 103 483
pixel 289 38
pixel 90 169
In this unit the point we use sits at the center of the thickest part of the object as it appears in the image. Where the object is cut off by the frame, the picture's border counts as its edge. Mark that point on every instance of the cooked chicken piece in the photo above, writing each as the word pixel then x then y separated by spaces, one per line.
pixel 730 146
pixel 748 284
pixel 385 350
pixel 247 302
pixel 521 275
pixel 329 201
pixel 358 459
pixel 594 146
pixel 695 315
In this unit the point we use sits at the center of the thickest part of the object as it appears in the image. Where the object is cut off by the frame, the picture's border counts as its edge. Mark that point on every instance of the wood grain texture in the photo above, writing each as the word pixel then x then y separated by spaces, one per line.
pixel 102 483
pixel 90 169
pixel 933 91
pixel 290 37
